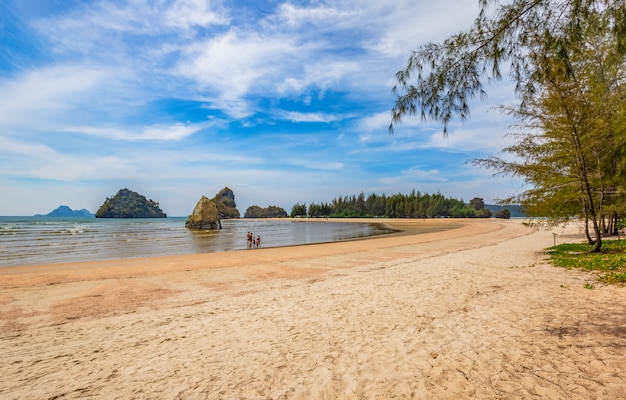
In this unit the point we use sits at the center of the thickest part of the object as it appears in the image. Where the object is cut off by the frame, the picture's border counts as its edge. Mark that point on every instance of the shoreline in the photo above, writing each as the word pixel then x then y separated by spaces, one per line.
pixel 69 241
pixel 473 312
pixel 397 227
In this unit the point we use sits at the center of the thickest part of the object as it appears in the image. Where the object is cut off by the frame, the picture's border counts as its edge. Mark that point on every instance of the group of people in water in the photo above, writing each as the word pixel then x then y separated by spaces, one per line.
pixel 252 242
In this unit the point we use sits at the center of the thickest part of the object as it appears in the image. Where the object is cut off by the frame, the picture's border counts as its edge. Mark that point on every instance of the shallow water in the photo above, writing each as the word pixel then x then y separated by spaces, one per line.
pixel 43 240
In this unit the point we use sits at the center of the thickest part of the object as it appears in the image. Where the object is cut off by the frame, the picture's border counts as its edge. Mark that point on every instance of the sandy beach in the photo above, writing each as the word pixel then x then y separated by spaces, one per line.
pixel 471 312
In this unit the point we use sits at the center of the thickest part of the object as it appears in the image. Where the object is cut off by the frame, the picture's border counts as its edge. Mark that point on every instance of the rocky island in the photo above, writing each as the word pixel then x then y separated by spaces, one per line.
pixel 129 204
pixel 225 202
pixel 208 213
pixel 205 216
pixel 267 212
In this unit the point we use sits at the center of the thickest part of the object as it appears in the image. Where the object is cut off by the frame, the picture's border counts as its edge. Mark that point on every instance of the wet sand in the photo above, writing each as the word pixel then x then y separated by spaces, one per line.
pixel 472 312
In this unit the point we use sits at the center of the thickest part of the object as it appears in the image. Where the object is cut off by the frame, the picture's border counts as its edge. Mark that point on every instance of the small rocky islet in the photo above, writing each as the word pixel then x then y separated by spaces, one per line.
pixel 207 213
pixel 129 204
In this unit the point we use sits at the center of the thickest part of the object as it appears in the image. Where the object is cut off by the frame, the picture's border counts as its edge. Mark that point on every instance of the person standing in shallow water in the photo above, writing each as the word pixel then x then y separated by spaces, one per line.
pixel 258 241
pixel 250 239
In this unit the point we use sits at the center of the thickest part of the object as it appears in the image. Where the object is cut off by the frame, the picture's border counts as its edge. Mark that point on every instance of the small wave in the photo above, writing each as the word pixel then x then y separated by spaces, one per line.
pixel 31 240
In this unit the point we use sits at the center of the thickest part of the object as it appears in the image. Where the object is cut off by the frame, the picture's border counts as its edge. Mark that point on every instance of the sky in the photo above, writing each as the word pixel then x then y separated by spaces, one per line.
pixel 284 102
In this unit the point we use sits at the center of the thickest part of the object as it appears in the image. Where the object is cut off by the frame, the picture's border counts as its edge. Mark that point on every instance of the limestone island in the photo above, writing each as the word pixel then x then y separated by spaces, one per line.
pixel 208 213
pixel 129 204
pixel 205 216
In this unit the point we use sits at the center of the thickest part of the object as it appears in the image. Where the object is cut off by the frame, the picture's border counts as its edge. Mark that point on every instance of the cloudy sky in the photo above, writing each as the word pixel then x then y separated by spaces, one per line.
pixel 282 101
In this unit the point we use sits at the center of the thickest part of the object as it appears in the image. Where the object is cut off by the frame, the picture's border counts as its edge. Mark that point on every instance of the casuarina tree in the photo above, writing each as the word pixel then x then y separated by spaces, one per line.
pixel 567 60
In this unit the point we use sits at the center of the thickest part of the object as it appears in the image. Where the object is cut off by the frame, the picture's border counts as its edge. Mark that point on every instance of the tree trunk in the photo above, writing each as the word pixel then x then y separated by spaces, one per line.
pixel 589 239
pixel 598 244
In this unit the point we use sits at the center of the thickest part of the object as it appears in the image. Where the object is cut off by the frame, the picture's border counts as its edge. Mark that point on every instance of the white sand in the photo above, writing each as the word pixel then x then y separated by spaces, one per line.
pixel 475 312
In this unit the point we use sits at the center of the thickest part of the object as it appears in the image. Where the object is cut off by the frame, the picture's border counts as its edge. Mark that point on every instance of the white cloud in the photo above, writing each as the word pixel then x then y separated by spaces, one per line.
pixel 187 14
pixel 421 174
pixel 414 176
pixel 137 17
pixel 294 16
pixel 113 68
pixel 34 98
pixel 173 132
pixel 238 64
pixel 229 65
pixel 376 122
pixel 38 161
pixel 295 116
pixel 310 163
pixel 399 27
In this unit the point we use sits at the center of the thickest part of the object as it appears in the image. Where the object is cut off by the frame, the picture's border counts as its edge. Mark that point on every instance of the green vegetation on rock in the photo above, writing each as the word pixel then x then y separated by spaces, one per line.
pixel 268 212
pixel 225 202
pixel 129 204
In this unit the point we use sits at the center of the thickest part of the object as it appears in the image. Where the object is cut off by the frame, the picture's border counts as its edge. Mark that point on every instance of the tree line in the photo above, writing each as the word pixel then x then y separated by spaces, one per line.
pixel 413 205
pixel 568 61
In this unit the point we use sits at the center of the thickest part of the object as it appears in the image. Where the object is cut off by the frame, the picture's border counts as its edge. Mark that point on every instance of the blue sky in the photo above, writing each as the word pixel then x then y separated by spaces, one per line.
pixel 283 102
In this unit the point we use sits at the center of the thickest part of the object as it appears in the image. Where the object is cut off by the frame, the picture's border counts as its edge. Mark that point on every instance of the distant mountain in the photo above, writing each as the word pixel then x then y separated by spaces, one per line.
pixel 516 211
pixel 129 204
pixel 65 211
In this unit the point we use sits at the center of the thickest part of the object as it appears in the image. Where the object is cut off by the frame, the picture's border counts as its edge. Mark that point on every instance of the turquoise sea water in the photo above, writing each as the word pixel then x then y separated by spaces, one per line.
pixel 45 240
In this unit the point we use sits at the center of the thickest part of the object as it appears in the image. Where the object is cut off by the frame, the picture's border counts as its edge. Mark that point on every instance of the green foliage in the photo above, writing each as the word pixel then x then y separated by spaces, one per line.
pixel 504 214
pixel 567 60
pixel 413 205
pixel 609 263
pixel 268 212
pixel 477 203
pixel 572 128
pixel 129 204
pixel 440 79
pixel 515 210
pixel 484 213
pixel 298 210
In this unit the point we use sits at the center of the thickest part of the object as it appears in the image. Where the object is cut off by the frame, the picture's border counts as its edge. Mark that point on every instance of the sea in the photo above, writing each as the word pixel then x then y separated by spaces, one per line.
pixel 48 240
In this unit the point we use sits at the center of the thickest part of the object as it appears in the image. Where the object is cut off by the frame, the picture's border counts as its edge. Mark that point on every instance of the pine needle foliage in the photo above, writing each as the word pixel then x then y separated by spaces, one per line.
pixel 567 60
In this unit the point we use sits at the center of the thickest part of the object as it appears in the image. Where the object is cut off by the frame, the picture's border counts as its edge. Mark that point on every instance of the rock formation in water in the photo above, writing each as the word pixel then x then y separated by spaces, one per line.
pixel 225 202
pixel 129 204
pixel 267 212
pixel 205 216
